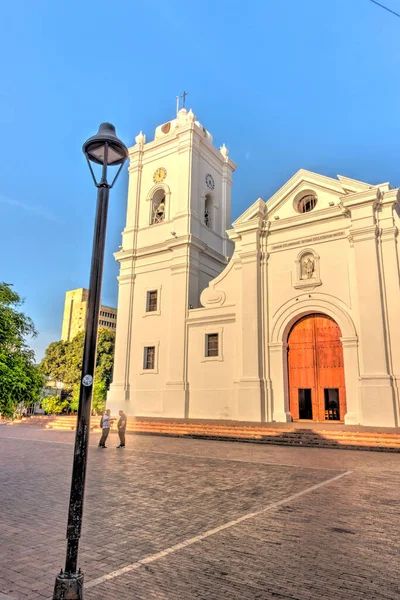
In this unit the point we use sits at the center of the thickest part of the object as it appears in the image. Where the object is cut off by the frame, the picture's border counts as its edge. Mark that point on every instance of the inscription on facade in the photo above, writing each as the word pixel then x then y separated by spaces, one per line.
pixel 309 240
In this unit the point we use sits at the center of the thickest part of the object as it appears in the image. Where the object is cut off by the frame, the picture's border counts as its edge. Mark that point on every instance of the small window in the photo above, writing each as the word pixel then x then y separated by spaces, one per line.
pixel 149 357
pixel 151 301
pixel 306 203
pixel 212 344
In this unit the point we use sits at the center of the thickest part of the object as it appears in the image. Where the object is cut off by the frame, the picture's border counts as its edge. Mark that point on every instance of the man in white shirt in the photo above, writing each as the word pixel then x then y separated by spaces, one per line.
pixel 105 425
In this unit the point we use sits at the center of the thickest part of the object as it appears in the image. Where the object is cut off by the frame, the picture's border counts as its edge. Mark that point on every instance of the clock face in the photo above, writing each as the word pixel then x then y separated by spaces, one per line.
pixel 159 175
pixel 210 181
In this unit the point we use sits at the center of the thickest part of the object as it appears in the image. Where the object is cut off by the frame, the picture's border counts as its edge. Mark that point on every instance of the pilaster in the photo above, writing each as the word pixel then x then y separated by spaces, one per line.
pixel 250 386
pixel 388 240
pixel 175 393
pixel 280 391
pixel 375 389
pixel 351 373
pixel 118 393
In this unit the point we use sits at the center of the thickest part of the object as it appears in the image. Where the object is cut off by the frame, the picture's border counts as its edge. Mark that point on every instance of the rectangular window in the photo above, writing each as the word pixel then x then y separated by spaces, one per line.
pixel 212 344
pixel 151 301
pixel 305 403
pixel 149 357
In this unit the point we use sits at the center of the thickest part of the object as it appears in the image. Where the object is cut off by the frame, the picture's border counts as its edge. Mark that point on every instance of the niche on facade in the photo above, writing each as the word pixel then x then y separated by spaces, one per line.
pixel 158 207
pixel 307 269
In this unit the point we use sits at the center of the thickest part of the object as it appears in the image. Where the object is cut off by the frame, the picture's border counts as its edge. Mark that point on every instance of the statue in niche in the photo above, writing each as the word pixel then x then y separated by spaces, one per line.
pixel 307 267
pixel 159 211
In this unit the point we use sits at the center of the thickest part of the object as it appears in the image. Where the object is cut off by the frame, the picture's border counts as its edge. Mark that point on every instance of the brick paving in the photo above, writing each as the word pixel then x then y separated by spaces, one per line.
pixel 338 541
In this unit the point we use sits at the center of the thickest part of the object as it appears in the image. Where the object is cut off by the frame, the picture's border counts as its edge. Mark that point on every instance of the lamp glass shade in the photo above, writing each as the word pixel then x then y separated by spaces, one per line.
pixel 95 146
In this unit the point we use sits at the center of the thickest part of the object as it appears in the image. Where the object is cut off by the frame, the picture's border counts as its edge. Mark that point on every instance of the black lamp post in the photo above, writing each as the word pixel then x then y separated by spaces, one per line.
pixel 107 150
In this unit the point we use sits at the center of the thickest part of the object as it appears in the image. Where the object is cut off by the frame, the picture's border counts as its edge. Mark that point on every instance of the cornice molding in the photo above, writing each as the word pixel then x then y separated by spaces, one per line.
pixel 388 233
pixel 363 234
pixel 194 319
pixel 360 199
pixel 307 219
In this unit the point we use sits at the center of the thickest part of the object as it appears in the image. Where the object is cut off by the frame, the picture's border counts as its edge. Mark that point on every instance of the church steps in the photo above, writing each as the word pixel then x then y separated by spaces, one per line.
pixel 283 434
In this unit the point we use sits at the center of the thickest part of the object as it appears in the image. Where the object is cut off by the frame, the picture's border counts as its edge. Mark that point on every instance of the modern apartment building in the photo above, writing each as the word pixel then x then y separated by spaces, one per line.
pixel 74 319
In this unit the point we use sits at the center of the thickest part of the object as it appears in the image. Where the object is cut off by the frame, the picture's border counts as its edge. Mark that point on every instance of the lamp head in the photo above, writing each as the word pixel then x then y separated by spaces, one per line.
pixel 105 147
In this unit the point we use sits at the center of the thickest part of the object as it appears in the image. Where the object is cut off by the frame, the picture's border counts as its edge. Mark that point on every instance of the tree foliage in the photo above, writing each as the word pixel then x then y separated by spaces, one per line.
pixel 63 362
pixel 53 405
pixel 53 364
pixel 20 379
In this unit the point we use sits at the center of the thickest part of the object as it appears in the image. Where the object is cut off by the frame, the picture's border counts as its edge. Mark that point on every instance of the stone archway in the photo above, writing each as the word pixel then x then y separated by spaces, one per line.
pixel 316 378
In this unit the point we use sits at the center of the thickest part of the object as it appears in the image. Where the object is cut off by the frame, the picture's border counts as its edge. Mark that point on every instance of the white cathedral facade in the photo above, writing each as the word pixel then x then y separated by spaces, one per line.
pixel 291 313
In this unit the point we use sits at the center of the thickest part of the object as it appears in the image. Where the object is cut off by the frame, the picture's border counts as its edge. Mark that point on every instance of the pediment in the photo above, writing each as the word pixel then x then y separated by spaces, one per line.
pixel 327 190
pixel 255 211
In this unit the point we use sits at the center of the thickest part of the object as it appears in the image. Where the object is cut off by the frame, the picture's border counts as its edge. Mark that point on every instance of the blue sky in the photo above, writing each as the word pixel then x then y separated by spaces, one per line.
pixel 286 84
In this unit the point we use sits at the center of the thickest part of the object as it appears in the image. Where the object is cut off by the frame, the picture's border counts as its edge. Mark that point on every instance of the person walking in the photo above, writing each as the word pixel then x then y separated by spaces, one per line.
pixel 121 429
pixel 105 425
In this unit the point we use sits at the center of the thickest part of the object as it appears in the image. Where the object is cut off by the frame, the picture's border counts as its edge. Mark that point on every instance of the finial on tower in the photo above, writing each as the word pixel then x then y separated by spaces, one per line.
pixel 224 150
pixel 140 139
pixel 183 96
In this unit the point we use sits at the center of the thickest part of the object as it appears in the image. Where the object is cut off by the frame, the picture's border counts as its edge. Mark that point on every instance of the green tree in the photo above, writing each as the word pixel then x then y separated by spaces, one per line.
pixel 66 358
pixel 99 397
pixel 20 379
pixel 105 356
pixel 53 364
pixel 53 405
pixel 104 360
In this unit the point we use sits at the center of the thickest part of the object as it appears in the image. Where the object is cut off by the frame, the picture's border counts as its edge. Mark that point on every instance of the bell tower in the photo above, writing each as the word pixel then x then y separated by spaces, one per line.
pixel 173 244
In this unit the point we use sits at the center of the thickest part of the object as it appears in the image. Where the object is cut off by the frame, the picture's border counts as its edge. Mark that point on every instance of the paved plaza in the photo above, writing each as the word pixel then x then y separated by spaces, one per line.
pixel 170 518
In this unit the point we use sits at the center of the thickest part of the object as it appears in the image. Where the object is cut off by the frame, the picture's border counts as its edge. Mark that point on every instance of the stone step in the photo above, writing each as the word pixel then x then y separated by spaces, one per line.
pixel 288 436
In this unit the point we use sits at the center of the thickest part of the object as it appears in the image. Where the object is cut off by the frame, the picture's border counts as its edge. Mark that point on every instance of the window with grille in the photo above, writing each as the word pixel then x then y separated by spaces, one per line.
pixel 151 301
pixel 149 357
pixel 306 203
pixel 212 344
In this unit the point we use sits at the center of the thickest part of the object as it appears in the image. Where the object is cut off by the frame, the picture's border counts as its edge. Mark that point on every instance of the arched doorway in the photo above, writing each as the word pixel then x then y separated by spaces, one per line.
pixel 315 367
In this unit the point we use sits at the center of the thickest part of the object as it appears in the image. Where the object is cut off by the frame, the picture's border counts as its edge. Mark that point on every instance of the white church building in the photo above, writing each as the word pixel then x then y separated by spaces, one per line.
pixel 290 314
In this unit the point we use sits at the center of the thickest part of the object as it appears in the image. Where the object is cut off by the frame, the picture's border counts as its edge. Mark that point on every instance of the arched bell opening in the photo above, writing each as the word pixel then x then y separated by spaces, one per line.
pixel 158 207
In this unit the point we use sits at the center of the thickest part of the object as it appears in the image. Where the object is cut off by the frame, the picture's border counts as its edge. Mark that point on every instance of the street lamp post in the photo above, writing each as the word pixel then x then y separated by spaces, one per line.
pixel 104 149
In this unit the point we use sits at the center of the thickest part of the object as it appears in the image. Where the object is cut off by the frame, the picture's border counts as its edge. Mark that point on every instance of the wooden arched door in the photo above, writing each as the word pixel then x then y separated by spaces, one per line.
pixel 316 371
